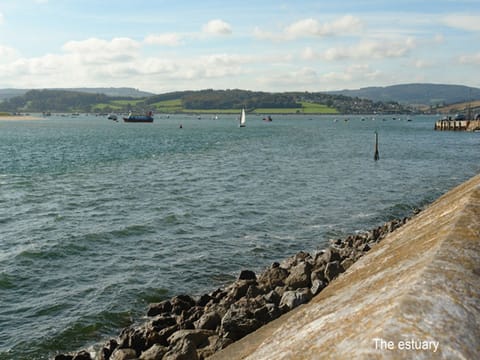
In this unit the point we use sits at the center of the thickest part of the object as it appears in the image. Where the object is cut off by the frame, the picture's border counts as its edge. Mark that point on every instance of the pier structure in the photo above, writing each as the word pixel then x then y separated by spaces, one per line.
pixel 457 125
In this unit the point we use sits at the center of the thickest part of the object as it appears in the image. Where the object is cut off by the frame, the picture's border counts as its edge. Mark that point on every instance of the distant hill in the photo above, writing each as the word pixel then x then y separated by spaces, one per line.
pixel 209 101
pixel 415 94
pixel 10 93
pixel 111 91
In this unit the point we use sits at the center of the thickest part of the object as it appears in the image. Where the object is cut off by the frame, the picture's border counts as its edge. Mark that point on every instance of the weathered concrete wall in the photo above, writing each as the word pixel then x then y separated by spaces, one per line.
pixel 419 287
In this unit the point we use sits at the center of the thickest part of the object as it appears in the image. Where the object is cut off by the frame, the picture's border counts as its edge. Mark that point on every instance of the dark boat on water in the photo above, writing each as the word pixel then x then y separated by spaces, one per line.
pixel 148 117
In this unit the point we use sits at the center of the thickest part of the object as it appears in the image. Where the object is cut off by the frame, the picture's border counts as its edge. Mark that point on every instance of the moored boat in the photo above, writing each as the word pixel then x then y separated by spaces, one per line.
pixel 148 117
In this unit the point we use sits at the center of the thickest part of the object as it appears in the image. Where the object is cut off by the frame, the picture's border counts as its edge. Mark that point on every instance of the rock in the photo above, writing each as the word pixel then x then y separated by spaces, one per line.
pixel 159 308
pixel 317 286
pixel 123 354
pixel 162 322
pixel 164 334
pixel 188 317
pixel 332 270
pixel 273 277
pixel 199 337
pixel 318 274
pixel 107 349
pixel 218 343
pixel 262 314
pixel 203 300
pixel 272 297
pixel 238 322
pixel 292 299
pixel 155 352
pixel 273 311
pixel 63 357
pixel 299 257
pixel 134 338
pixel 345 264
pixel 208 321
pixel 182 350
pixel 364 248
pixel 247 275
pixel 299 276
pixel 82 355
pixel 334 254
pixel 238 290
pixel 181 303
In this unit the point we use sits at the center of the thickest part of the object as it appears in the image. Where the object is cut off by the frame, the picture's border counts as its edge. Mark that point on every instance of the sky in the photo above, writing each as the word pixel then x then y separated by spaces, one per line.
pixel 265 45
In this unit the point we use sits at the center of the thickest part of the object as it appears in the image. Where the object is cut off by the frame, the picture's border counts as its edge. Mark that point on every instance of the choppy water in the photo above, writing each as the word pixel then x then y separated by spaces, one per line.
pixel 98 218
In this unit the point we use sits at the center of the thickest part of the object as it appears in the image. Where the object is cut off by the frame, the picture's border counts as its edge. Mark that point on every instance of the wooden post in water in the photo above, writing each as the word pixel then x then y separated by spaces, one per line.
pixel 376 156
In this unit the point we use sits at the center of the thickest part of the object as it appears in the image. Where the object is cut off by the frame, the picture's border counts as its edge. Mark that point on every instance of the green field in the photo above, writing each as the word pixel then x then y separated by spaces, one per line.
pixel 311 108
pixel 168 106
pixel 175 106
pixel 126 102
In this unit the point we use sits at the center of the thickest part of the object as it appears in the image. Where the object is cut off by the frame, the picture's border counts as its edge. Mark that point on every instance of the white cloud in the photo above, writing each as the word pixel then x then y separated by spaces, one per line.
pixel 463 21
pixel 7 54
pixel 422 64
pixel 367 49
pixel 353 74
pixel 296 79
pixel 473 59
pixel 1 18
pixel 168 39
pixel 217 27
pixel 310 27
pixel 100 51
pixel 347 24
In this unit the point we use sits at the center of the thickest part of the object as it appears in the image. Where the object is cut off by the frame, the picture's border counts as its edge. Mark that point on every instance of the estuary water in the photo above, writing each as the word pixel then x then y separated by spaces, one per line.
pixel 99 218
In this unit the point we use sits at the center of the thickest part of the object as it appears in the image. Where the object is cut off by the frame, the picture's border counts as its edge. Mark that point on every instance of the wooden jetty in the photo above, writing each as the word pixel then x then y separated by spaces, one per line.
pixel 457 125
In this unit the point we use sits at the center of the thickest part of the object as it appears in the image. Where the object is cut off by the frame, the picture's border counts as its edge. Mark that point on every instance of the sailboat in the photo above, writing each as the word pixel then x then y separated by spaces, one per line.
pixel 242 118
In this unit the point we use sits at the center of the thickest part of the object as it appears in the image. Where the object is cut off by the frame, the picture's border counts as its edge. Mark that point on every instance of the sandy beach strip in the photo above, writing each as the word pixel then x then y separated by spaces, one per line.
pixel 18 117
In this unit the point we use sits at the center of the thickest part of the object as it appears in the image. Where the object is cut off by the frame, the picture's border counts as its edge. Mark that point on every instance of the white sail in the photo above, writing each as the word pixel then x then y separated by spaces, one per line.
pixel 242 118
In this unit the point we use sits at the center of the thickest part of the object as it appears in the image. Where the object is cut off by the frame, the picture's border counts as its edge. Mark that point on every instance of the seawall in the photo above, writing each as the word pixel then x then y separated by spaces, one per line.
pixel 416 294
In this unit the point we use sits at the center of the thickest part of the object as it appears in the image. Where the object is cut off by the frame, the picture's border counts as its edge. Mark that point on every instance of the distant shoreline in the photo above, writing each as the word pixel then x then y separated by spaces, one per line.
pixel 18 117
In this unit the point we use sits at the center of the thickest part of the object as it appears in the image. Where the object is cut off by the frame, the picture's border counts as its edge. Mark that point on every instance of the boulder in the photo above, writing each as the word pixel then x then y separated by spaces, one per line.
pixel 162 321
pixel 159 308
pixel 332 270
pixel 123 354
pixel 198 337
pixel 299 257
pixel 208 321
pixel 247 275
pixel 203 300
pixel 133 338
pixel 299 276
pixel 292 299
pixel 238 322
pixel 181 303
pixel 272 297
pixel 107 349
pixel 317 286
pixel 345 264
pixel 82 355
pixel 273 277
pixel 155 352
pixel 182 350
pixel 63 357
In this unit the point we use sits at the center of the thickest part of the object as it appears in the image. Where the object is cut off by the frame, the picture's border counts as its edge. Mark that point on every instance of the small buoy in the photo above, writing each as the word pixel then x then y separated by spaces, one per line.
pixel 181 126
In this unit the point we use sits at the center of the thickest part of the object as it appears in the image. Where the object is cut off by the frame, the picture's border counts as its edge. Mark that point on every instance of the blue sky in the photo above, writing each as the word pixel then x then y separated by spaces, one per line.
pixel 271 45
